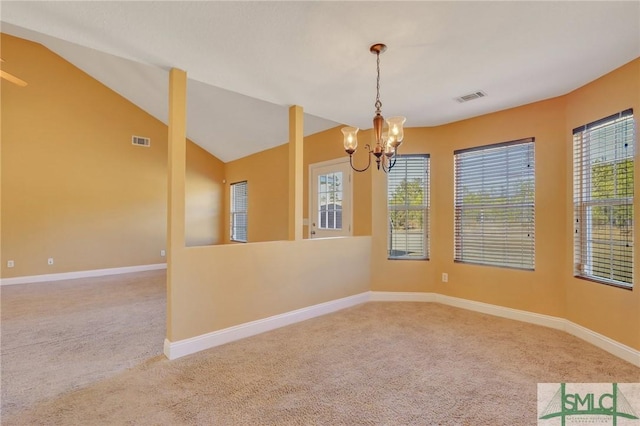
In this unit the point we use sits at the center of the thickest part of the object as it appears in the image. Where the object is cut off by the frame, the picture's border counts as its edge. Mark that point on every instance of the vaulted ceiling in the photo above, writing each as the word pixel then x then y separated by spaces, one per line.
pixel 247 62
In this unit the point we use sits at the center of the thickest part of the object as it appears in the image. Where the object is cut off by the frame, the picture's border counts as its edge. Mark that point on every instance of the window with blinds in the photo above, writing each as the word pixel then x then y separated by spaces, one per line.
pixel 494 205
pixel 603 157
pixel 239 211
pixel 408 207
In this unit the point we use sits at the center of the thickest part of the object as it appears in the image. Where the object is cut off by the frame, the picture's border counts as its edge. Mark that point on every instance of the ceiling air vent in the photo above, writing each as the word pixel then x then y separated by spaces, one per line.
pixel 140 141
pixel 471 96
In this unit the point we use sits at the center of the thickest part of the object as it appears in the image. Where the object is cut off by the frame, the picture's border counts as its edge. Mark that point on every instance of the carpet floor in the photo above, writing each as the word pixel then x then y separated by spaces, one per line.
pixel 56 337
pixel 378 363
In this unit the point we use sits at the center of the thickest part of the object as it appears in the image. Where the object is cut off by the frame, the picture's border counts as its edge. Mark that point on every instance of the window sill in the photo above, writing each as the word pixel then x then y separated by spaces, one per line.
pixel 516 268
pixel 609 283
pixel 407 258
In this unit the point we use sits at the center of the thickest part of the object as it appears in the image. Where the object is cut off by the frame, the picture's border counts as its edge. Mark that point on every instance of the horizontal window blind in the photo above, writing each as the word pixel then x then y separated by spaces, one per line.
pixel 239 211
pixel 494 204
pixel 603 158
pixel 408 207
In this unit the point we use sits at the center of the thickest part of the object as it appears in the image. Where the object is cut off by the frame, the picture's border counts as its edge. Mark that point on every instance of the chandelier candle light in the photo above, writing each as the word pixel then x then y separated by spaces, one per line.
pixel 387 141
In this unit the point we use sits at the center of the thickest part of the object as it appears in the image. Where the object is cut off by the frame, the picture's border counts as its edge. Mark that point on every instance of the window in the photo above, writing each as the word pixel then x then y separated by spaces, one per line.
pixel 494 205
pixel 603 154
pixel 330 201
pixel 239 211
pixel 408 206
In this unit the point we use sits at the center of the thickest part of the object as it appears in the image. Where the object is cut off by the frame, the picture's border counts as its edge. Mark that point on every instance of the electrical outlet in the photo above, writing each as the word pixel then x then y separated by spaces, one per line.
pixel 10 264
pixel 445 277
pixel 50 261
pixel 163 253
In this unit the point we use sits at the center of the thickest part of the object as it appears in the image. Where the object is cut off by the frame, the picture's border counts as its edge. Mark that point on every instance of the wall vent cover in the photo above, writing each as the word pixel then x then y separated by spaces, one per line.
pixel 140 141
pixel 471 96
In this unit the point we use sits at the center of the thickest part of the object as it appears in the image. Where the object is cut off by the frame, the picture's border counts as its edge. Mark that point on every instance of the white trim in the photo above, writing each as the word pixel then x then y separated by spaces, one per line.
pixel 173 350
pixel 603 342
pixel 618 349
pixel 504 312
pixel 81 274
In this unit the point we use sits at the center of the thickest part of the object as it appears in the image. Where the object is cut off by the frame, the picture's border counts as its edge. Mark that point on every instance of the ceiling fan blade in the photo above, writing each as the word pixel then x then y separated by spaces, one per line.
pixel 12 78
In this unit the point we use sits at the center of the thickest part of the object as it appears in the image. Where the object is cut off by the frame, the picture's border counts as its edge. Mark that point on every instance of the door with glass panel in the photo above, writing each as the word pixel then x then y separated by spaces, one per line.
pixel 330 200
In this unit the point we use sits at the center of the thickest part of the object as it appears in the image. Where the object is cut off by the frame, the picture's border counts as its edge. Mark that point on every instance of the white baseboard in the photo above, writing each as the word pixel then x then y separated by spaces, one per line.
pixel 173 350
pixel 504 312
pixel 603 342
pixel 81 274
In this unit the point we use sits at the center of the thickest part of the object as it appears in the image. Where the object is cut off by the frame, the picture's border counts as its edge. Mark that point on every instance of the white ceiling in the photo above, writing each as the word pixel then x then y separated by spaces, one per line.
pixel 249 61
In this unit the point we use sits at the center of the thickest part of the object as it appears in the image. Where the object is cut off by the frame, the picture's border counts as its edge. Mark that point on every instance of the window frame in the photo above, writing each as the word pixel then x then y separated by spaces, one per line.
pixel 425 207
pixel 528 176
pixel 233 228
pixel 584 200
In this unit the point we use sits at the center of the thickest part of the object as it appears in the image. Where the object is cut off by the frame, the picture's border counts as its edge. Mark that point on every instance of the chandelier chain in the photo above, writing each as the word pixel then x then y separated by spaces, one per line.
pixel 378 104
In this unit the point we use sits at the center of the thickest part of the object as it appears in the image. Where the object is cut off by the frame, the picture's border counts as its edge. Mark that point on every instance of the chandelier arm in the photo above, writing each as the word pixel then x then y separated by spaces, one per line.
pixel 388 165
pixel 394 162
pixel 368 148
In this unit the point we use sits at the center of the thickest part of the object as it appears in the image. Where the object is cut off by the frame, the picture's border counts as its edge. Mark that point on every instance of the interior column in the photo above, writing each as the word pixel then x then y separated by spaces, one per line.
pixel 176 184
pixel 296 140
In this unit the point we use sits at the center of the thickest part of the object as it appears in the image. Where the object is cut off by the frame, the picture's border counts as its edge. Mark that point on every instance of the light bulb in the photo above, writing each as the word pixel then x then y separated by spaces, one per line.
pixel 395 128
pixel 350 139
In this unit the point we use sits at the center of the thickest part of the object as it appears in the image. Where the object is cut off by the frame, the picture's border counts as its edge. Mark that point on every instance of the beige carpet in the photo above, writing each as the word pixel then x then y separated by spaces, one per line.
pixel 64 335
pixel 374 364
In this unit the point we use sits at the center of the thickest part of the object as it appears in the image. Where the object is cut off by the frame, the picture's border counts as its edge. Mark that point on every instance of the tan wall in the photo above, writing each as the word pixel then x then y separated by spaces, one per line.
pixel 611 311
pixel 537 291
pixel 551 288
pixel 223 286
pixel 204 198
pixel 266 174
pixel 74 187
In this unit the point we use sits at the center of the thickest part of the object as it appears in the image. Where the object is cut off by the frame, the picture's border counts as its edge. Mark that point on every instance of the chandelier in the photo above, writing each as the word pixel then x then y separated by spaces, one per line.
pixel 387 140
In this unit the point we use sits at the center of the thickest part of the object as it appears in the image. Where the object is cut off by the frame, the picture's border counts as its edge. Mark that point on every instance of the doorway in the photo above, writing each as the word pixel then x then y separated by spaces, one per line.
pixel 330 199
